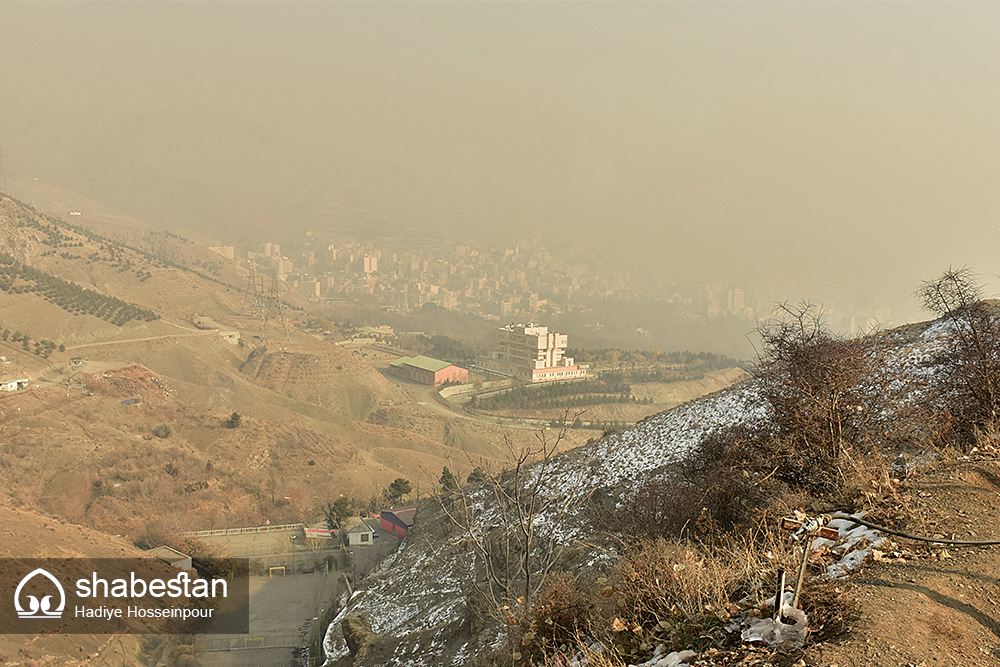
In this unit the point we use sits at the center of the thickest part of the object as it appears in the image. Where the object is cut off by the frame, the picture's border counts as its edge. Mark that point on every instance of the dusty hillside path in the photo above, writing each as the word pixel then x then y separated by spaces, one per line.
pixel 139 340
pixel 932 605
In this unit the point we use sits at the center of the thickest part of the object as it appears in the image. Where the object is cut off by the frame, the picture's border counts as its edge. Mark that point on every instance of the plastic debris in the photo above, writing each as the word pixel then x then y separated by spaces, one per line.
pixel 778 633
pixel 673 659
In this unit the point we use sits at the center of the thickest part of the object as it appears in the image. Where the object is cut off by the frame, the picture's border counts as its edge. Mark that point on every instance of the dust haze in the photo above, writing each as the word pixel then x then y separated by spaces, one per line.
pixel 835 152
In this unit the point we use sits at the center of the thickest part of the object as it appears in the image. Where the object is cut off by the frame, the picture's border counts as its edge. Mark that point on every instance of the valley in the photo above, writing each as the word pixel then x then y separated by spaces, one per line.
pixel 123 426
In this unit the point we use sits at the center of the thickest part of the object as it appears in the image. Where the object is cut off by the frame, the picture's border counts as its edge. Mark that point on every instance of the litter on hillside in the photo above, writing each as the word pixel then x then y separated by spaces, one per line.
pixel 775 632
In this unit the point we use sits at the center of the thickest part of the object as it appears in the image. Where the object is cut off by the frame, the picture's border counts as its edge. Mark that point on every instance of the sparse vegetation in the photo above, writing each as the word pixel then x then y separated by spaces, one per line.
pixel 448 481
pixel 234 420
pixel 18 278
pixel 338 510
pixel 162 431
pixel 609 388
pixel 970 363
pixel 515 558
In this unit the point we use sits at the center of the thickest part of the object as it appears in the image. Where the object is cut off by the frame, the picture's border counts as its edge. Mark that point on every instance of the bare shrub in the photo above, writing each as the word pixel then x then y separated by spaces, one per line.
pixel 682 594
pixel 559 616
pixel 719 488
pixel 827 394
pixel 970 362
pixel 511 523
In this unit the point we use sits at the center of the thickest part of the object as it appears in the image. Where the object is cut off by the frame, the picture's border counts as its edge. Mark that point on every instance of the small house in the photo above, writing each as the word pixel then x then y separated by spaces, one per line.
pixel 398 521
pixel 14 385
pixel 359 534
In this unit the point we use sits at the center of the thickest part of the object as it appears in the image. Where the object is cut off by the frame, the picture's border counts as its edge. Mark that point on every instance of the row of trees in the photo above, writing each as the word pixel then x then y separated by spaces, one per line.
pixel 19 278
pixel 43 347
pixel 338 510
pixel 438 347
pixel 632 359
pixel 609 388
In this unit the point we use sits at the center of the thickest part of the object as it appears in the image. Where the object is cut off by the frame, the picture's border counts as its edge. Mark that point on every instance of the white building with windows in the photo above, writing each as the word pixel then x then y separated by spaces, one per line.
pixel 532 353
pixel 359 534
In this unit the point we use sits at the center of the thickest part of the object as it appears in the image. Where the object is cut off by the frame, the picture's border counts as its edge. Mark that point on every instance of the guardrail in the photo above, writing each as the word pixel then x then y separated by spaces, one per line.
pixel 242 643
pixel 244 531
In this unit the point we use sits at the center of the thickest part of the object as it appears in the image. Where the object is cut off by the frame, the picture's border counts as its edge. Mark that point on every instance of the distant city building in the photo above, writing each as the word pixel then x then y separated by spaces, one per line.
pixel 531 353
pixel 308 288
pixel 371 264
pixel 429 371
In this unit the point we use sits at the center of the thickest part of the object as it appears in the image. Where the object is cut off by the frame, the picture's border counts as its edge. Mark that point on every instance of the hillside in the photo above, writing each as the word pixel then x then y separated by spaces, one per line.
pixel 27 534
pixel 308 432
pixel 913 604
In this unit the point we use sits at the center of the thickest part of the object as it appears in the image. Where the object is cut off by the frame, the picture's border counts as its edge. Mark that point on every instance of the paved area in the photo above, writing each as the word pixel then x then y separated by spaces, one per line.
pixel 250 545
pixel 282 611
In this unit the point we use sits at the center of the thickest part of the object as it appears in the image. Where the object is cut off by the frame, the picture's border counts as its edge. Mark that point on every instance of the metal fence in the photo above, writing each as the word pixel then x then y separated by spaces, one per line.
pixel 248 642
pixel 244 531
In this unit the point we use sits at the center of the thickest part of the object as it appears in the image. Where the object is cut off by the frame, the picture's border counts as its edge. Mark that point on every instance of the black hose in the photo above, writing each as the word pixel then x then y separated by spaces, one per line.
pixel 921 538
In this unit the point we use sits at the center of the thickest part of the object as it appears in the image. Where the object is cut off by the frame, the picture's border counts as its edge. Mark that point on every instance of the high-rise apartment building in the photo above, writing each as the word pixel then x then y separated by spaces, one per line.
pixel 532 353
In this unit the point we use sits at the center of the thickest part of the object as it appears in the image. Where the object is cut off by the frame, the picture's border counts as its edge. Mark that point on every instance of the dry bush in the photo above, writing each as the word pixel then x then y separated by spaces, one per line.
pixel 987 440
pixel 682 595
pixel 561 614
pixel 970 381
pixel 828 396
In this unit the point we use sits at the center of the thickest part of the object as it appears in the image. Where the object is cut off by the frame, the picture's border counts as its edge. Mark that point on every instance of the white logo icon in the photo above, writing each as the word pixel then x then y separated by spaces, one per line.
pixel 39 608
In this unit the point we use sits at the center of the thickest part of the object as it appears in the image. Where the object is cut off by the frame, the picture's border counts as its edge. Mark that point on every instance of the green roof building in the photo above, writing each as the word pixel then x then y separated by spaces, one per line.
pixel 426 370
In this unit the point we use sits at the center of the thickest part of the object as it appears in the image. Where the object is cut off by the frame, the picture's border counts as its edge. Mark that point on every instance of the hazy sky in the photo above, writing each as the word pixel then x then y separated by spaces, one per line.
pixel 829 149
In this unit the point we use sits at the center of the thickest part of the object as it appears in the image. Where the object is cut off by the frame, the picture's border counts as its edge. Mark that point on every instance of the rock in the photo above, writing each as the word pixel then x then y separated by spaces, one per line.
pixel 358 633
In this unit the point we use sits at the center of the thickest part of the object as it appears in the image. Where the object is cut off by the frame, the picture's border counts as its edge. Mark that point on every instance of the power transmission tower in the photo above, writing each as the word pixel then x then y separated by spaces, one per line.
pixel 273 305
pixel 253 294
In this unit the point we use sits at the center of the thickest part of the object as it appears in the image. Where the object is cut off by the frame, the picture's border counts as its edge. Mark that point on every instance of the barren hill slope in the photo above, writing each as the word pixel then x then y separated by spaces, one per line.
pixel 303 400
pixel 27 534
